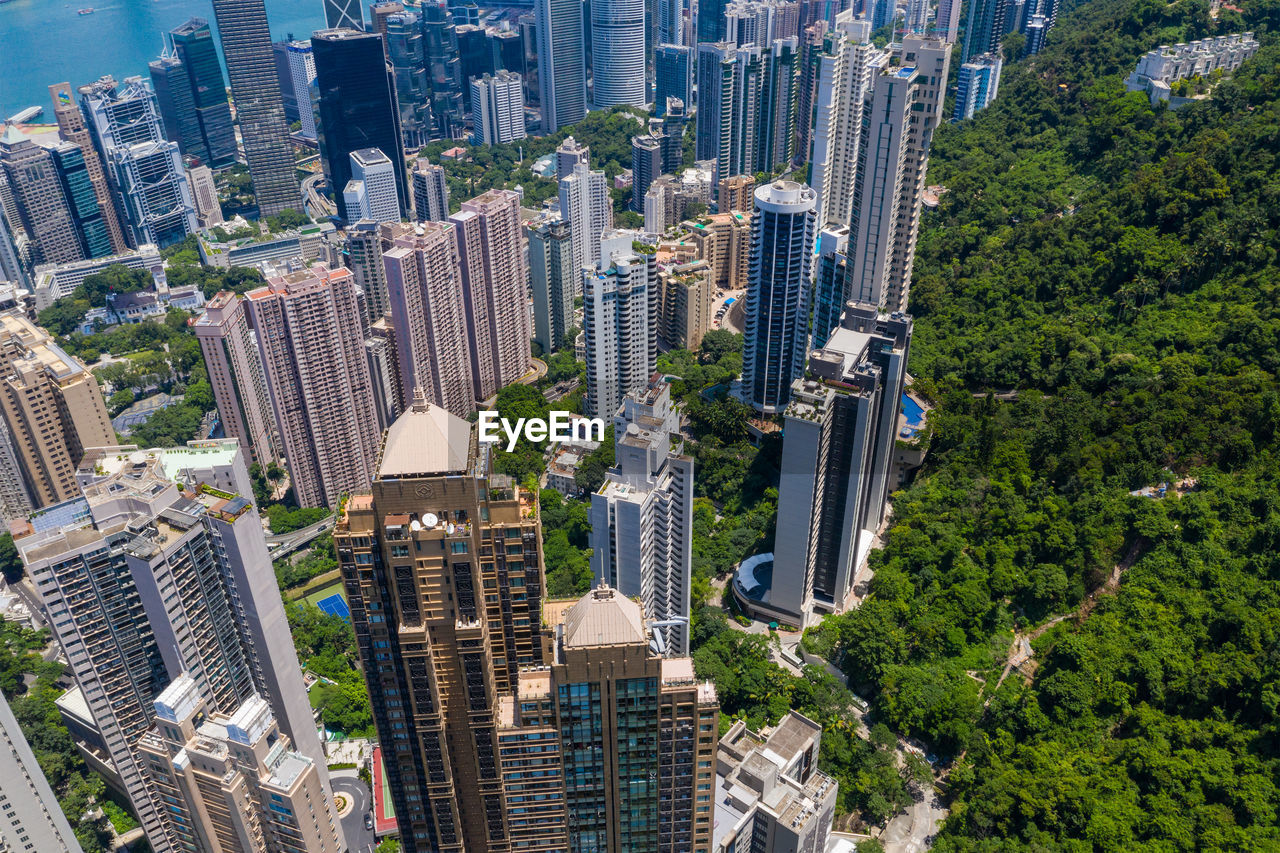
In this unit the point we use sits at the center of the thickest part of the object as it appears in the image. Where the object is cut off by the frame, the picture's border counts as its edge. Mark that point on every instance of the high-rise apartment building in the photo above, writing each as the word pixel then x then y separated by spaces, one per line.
pixel 311 338
pixel 570 154
pixel 715 101
pixel 984 28
pixel 236 773
pixel 554 279
pixel 642 516
pixel 586 205
pixel 711 22
pixel 783 230
pixel 31 820
pixel 845 73
pixel 430 191
pixel 620 323
pixel 246 45
pixel 39 204
pixel 497 108
pixel 143 583
pixel 724 242
pixel 562 63
pixel 72 128
pixel 812 40
pixel 192 95
pixel 384 369
pixel 145 168
pixel 1036 32
pixel 976 85
pixel 618 54
pixel 365 241
pixel 770 795
pixel 495 275
pixel 424 291
pixel 302 74
pixel 646 167
pixel 407 53
pixel 634 732
pixel 673 76
pixel 829 282
pixel 444 70
pixel 760 22
pixel 947 25
pixel 284 76
pixel 443 571
pixel 356 108
pixel 234 364
pixel 836 461
pixel 15 499
pixel 684 309
pixel 372 193
pixel 53 408
pixel 736 192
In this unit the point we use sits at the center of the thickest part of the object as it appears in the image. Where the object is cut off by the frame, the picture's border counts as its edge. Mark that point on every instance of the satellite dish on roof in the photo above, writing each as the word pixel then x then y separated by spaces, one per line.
pixel 415 525
pixel 429 520
pixel 633 429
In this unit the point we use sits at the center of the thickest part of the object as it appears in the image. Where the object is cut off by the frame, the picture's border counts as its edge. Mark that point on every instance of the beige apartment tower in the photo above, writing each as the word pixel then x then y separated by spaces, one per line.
pixel 311 337
pixel 495 284
pixel 724 242
pixel 736 192
pixel 231 357
pixel 684 313
pixel 442 566
pixel 424 298
pixel 72 128
pixel 235 776
pixel 53 409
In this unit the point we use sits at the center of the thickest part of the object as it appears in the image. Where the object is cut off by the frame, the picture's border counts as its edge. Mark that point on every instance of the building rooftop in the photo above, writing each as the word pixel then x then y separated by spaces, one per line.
pixel 426 439
pixel 604 617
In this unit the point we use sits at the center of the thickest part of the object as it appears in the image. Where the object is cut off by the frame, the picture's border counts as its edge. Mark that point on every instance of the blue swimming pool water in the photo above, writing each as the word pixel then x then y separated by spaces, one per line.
pixel 913 411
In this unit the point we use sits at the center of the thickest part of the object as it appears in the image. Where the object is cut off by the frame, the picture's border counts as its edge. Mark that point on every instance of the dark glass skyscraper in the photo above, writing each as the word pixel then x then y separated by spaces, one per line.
pixel 246 44
pixel 673 76
pixel 357 107
pixel 711 21
pixel 408 64
pixel 444 71
pixel 193 44
pixel 76 185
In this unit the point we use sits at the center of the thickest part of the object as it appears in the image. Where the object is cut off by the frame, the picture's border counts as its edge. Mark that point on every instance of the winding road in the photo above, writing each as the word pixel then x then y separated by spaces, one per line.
pixel 359 839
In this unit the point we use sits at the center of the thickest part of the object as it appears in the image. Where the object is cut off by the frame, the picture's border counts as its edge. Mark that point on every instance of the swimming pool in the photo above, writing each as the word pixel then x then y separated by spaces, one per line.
pixel 913 411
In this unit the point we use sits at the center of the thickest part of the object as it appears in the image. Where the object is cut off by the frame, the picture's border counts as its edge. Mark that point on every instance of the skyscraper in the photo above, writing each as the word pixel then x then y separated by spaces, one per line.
pixel 845 72
pixel 497 108
pixel 146 169
pixel 840 432
pixel 311 338
pixel 684 309
pixel 619 319
pixel 41 205
pixel 715 101
pixel 430 191
pixel 642 517
pixel 77 186
pixel 406 51
pixel 773 346
pixel 618 53
pixel 246 45
pixel 32 819
pixel 196 114
pixel 234 364
pixel 443 571
pixel 829 282
pixel 204 190
pixel 553 276
pixel 357 107
pixel 424 291
pixel 53 408
pixel 711 21
pixel 444 70
pixel 646 167
pixel 371 193
pixel 984 29
pixel 562 63
pixel 495 277
pixel 947 27
pixel 585 204
pixel 672 76
pixel 362 254
pixel 302 72
pixel 343 14
pixel 635 734
pixel 976 85
pixel 144 583
pixel 812 40
pixel 15 499
pixel 199 759
pixel 284 76
pixel 570 154
pixel 72 128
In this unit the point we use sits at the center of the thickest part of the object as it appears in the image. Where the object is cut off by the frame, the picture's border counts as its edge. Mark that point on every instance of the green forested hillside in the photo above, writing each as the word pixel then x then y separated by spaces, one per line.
pixel 1115 266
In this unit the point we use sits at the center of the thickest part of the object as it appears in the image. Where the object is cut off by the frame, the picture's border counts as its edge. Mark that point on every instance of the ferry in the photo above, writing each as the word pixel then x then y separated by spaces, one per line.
pixel 88 11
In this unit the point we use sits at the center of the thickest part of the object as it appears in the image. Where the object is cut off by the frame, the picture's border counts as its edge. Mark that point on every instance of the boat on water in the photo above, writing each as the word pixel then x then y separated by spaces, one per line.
pixel 88 11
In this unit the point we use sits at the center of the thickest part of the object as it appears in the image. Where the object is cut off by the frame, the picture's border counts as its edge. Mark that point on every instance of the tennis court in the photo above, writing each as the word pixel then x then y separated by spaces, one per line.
pixel 335 605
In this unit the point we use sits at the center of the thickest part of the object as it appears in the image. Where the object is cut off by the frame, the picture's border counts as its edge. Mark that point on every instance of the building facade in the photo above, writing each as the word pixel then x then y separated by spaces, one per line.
pixel 619 319
pixel 586 205
pixel 430 192
pixel 776 337
pixel 618 70
pixel 31 820
pixel 36 200
pixel 497 108
pixel 554 279
pixel 311 339
pixel 562 63
pixel 372 194
pixel 72 128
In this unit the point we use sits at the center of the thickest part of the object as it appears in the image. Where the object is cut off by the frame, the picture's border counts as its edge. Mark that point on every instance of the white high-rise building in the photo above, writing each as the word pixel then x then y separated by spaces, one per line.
pixel 620 323
pixel 976 85
pixel 371 193
pixel 948 23
pixel 430 192
pixel 585 204
pixel 562 62
pixel 31 821
pixel 917 19
pixel 642 517
pixel 497 108
pixel 302 69
pixel 15 500
pixel 844 79
pixel 143 582
pixel 617 53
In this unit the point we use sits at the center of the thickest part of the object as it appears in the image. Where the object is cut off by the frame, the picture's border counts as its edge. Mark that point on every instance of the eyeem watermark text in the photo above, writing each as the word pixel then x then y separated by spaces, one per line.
pixel 560 427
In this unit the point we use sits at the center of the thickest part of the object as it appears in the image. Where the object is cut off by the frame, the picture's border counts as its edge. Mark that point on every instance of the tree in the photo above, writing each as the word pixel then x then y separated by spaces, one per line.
pixel 10 562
